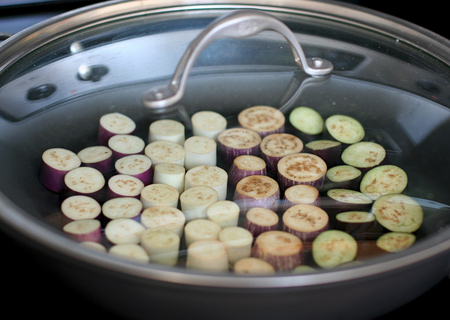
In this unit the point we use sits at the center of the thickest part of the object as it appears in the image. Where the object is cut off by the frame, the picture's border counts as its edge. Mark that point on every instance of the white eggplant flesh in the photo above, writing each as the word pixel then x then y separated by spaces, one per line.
pixel 123 185
pixel 208 124
pixel 301 168
pixel 259 220
pixel 165 152
pixel 136 165
pixel 306 120
pixel 235 142
pixel 80 207
pixel 257 191
pixel 263 119
pixel 171 174
pixel 94 246
pixel 122 207
pixel 162 245
pixel 305 221
pixel 130 251
pixel 158 194
pixel 98 157
pixel 200 151
pixel 238 242
pixel 201 229
pixel 277 145
pixel 207 255
pixel 84 230
pixel 208 176
pixel 244 166
pixel 84 181
pixel 125 144
pixel 164 217
pixel 224 212
pixel 300 194
pixel 283 250
pixel 253 266
pixel 167 130
pixel 119 231
pixel 195 201
pixel 114 123
pixel 343 177
pixel 56 162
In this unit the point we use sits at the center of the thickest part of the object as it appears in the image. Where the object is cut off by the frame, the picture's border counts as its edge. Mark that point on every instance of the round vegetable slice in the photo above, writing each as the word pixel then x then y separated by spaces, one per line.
pixel 262 119
pixel 166 130
pixel 398 213
pixel 253 266
pixel 137 165
pixel 201 229
pixel 259 220
pixel 383 180
pixel 84 230
pixel 395 241
pixel 257 191
pixel 130 251
pixel 56 162
pixel 328 150
pixel 162 245
pixel 122 207
pixel 357 223
pixel 283 250
pixel 244 166
pixel 196 200
pixel 235 142
pixel 208 176
pixel 114 123
pixel 344 128
pixel 170 173
pixel 224 212
pixel 339 200
pixel 300 194
pixel 164 217
pixel 306 120
pixel 301 168
pixel 238 242
pixel 305 221
pixel 98 157
pixel 207 255
pixel 158 194
pixel 80 207
pixel 343 177
pixel 208 123
pixel 364 155
pixel 332 248
pixel 200 151
pixel 277 145
pixel 125 144
pixel 165 152
pixel 119 231
pixel 85 181
pixel 123 185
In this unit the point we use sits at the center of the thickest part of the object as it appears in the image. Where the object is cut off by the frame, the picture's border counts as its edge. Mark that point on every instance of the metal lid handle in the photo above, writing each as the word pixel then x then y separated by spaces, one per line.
pixel 239 24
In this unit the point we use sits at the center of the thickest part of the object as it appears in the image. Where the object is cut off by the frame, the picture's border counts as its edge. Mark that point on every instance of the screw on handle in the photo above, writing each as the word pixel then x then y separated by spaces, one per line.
pixel 239 24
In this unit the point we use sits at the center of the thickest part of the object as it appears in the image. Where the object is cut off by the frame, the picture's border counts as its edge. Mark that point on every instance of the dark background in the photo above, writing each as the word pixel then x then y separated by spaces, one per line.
pixel 32 284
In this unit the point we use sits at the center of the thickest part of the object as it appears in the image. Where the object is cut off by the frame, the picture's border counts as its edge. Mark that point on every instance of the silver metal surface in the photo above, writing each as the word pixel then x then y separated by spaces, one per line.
pixel 239 24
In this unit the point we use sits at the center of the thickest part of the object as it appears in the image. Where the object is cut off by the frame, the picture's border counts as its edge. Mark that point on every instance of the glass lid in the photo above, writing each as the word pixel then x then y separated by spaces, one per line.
pixel 347 113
